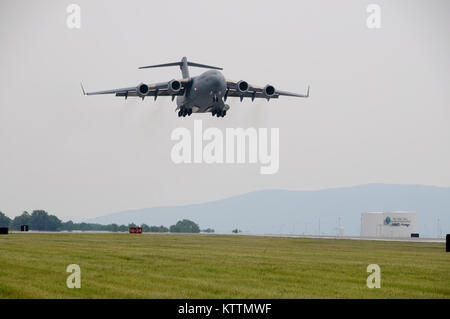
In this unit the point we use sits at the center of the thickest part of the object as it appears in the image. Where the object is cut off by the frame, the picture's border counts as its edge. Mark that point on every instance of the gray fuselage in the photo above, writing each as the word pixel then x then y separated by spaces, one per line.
pixel 206 92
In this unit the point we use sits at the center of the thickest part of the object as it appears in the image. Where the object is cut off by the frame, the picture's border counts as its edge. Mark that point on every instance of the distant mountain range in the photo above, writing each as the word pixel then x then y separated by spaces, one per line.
pixel 303 212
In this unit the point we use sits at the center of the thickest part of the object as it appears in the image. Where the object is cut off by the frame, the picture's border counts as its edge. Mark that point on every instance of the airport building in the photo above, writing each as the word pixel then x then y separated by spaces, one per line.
pixel 397 224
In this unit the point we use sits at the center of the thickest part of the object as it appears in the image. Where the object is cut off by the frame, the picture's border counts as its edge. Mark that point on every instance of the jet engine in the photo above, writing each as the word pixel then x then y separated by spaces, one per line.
pixel 174 87
pixel 142 89
pixel 268 91
pixel 242 86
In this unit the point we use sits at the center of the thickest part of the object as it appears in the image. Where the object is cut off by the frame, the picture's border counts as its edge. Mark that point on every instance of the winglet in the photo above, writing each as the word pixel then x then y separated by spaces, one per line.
pixel 307 93
pixel 82 88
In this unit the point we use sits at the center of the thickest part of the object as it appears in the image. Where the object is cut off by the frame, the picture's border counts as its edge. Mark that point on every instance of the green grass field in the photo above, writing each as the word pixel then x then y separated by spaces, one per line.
pixel 193 266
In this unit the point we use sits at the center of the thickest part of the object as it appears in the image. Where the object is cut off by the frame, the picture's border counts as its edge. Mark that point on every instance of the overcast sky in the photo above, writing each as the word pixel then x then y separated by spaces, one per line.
pixel 378 112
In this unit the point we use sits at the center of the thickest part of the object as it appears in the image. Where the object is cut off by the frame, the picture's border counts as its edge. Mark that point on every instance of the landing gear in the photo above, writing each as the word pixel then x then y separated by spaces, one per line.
pixel 220 110
pixel 184 111
pixel 219 113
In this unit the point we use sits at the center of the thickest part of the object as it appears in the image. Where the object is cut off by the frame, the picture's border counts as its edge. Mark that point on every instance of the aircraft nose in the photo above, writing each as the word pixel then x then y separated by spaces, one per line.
pixel 217 86
pixel 216 90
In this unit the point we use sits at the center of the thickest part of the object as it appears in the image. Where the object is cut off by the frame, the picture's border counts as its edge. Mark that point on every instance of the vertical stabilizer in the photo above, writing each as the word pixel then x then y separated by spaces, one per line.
pixel 184 68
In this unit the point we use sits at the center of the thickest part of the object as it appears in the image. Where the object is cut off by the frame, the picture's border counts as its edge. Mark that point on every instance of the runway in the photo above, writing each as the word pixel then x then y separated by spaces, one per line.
pixel 323 237
pixel 419 240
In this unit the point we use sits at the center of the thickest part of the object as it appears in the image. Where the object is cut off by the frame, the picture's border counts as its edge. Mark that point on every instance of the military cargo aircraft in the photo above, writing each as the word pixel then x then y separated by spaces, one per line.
pixel 199 94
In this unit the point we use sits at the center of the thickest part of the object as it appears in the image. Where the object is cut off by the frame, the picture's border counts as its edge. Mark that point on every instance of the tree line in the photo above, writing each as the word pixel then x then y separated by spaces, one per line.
pixel 41 220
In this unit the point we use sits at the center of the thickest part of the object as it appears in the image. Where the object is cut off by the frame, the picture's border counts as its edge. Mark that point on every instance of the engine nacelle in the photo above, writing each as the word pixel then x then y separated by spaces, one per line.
pixel 268 91
pixel 174 87
pixel 242 86
pixel 142 89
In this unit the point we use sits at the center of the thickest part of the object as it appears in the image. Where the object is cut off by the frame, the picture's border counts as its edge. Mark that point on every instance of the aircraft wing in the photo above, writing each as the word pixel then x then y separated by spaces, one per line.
pixel 242 90
pixel 170 88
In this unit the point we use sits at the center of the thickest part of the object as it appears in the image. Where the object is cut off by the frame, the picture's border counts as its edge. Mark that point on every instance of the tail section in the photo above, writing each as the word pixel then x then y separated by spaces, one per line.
pixel 184 66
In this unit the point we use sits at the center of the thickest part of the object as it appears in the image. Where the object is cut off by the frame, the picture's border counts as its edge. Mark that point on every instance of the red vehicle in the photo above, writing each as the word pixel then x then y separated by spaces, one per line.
pixel 135 230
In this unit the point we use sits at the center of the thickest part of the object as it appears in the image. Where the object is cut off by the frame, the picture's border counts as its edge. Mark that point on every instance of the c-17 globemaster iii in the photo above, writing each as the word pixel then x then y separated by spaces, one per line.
pixel 206 92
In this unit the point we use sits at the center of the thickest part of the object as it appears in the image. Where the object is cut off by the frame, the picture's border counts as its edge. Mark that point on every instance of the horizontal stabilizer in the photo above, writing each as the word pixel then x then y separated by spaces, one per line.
pixel 198 65
pixel 160 65
pixel 181 63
